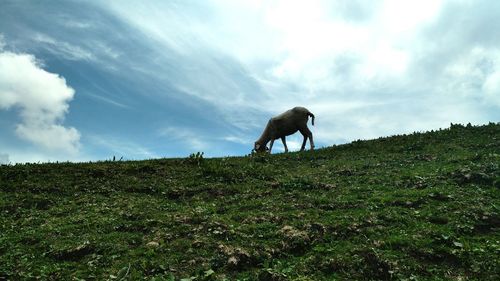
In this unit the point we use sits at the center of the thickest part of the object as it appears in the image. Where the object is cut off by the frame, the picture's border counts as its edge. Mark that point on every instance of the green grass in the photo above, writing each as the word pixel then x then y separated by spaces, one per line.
pixel 417 207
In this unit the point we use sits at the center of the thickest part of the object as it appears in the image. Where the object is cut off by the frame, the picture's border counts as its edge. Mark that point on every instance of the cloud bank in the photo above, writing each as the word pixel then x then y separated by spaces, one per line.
pixel 42 101
pixel 365 69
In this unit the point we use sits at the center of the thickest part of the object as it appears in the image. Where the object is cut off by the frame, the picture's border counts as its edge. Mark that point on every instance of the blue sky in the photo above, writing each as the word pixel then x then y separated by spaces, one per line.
pixel 89 80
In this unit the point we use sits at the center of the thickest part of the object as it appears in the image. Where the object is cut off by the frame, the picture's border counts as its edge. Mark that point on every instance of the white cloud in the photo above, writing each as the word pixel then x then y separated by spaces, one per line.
pixel 51 136
pixel 471 77
pixel 42 100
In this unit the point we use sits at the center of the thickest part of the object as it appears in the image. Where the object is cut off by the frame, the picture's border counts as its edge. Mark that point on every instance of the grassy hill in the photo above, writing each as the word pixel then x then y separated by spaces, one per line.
pixel 418 207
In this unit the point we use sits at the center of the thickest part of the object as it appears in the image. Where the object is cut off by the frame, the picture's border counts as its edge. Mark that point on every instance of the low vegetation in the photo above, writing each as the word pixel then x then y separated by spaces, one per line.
pixel 423 206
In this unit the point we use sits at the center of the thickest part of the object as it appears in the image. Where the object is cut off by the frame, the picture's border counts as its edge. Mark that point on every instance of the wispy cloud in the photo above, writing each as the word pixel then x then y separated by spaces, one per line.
pixel 238 139
pixel 103 98
pixel 185 137
pixel 62 49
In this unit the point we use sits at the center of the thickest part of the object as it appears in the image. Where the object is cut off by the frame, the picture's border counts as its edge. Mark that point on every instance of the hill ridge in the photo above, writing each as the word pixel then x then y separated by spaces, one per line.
pixel 417 206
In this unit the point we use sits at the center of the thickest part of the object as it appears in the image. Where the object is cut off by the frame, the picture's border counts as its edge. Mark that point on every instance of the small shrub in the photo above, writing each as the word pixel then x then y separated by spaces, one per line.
pixel 196 159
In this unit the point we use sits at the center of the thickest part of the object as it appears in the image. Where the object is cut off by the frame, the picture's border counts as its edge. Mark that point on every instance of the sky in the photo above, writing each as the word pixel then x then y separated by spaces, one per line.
pixel 93 80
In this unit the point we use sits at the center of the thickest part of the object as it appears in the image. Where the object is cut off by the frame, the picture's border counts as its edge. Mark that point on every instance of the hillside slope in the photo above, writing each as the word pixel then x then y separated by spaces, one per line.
pixel 420 207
